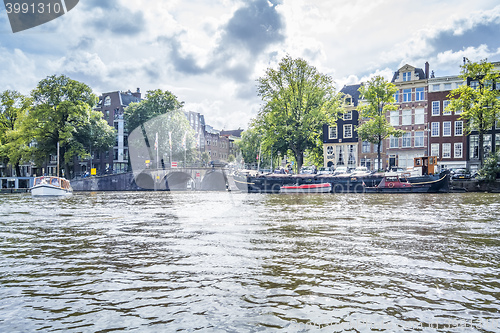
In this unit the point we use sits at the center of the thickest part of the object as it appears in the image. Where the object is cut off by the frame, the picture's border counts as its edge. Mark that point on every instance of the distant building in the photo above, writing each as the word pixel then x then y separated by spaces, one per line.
pixel 112 105
pixel 447 136
pixel 410 117
pixel 340 141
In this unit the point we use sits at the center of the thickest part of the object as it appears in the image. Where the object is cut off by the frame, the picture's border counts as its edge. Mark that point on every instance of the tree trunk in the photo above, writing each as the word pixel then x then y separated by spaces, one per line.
pixel 481 149
pixel 18 170
pixel 299 157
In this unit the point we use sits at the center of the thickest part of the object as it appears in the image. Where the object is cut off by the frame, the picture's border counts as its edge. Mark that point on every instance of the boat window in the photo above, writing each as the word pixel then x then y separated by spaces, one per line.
pixel 38 181
pixel 55 181
pixel 391 179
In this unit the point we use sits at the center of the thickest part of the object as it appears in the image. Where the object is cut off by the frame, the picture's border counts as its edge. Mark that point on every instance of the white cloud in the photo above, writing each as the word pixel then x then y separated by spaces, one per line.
pixel 351 41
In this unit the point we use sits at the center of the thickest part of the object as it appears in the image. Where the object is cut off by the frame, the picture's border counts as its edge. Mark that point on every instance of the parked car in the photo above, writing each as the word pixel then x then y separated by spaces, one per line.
pixel 307 170
pixel 326 171
pixel 361 170
pixel 461 174
pixel 341 170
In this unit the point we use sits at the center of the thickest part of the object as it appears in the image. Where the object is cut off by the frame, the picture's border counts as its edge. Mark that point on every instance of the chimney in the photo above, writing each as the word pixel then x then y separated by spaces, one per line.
pixel 426 70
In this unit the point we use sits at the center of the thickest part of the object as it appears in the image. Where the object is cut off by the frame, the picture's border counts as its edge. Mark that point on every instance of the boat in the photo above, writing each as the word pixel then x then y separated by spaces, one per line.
pixel 393 183
pixel 51 186
pixel 307 188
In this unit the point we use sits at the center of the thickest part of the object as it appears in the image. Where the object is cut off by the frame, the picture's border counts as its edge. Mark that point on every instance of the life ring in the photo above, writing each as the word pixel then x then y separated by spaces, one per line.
pixel 391 185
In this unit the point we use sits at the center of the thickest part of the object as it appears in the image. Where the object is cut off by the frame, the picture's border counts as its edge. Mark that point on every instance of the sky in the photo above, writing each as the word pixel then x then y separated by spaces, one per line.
pixel 209 53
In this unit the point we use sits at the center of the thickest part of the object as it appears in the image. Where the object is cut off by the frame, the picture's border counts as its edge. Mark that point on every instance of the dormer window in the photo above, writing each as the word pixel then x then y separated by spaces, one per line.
pixel 107 101
pixel 406 76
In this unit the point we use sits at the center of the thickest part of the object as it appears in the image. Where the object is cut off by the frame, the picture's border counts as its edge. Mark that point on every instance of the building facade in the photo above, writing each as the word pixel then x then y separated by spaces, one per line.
pixel 447 135
pixel 112 105
pixel 340 141
pixel 411 117
pixel 491 143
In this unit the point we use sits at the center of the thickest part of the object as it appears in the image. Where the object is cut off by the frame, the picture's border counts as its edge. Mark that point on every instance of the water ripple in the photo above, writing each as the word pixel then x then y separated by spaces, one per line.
pixel 232 262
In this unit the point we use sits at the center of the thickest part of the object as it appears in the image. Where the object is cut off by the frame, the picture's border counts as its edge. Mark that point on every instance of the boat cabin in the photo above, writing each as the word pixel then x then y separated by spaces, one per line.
pixel 55 181
pixel 392 180
pixel 426 165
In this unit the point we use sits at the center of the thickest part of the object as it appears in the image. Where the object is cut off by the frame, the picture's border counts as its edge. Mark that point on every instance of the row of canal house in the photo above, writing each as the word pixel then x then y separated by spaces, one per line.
pixel 430 130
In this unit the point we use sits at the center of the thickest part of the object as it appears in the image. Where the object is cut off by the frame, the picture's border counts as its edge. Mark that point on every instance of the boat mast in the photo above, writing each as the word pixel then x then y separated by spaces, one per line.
pixel 57 158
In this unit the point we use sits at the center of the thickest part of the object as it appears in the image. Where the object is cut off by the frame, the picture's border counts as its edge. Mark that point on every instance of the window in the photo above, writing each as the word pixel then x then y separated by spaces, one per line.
pixel 497 143
pixel 396 96
pixel 435 149
pixel 366 148
pixel 445 105
pixel 406 95
pixel 435 108
pixel 348 115
pixel 474 84
pixel 419 94
pixel 348 131
pixel 394 142
pixel 435 129
pixel 419 116
pixel 419 138
pixel 406 120
pixel 447 86
pixel 107 101
pixel 407 140
pixel 436 87
pixel 459 128
pixel 395 118
pixel 446 128
pixel 446 150
pixel 106 114
pixel 407 76
pixel 332 132
pixel 458 151
pixel 329 151
pixel 474 146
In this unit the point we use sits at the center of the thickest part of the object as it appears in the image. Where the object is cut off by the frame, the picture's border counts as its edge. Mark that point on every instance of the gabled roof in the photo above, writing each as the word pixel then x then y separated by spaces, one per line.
pixel 408 68
pixel 353 91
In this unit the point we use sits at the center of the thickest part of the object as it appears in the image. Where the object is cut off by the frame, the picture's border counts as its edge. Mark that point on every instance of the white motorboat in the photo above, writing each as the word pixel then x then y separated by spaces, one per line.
pixel 51 186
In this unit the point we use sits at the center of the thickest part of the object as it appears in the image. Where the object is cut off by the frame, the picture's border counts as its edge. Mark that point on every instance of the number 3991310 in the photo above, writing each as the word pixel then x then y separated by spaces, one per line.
pixel 32 8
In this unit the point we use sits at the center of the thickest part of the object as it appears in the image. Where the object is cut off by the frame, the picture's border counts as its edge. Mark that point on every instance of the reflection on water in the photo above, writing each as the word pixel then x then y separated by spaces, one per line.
pixel 234 262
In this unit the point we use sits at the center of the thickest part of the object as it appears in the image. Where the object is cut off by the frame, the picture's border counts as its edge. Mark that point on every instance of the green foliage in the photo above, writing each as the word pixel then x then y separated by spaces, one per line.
pixel 298 101
pixel 62 112
pixel 157 102
pixel 378 96
pixel 13 109
pixel 480 106
pixel 160 112
pixel 250 144
pixel 491 168
pixel 176 141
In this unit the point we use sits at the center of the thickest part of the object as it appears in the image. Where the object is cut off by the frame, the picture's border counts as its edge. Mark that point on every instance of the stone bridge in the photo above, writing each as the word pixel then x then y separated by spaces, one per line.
pixel 175 179
pixel 204 179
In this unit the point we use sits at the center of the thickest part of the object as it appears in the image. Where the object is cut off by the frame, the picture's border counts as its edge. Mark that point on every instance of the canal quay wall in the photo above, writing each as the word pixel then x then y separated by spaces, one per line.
pixel 474 185
pixel 116 182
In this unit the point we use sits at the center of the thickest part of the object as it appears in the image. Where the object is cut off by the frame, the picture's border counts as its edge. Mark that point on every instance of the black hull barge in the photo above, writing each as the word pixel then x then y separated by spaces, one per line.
pixel 272 183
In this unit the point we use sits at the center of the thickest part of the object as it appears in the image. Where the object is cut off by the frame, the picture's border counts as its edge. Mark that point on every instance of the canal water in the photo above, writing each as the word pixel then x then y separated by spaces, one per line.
pixel 239 262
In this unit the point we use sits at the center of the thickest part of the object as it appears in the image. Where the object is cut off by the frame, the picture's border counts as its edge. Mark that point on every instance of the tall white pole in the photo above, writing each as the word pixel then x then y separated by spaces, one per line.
pixel 57 158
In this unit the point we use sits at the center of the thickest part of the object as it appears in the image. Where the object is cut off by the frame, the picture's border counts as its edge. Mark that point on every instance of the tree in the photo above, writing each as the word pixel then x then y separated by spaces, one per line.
pixel 478 101
pixel 250 144
pixel 298 101
pixel 156 103
pixel 61 112
pixel 378 96
pixel 13 108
